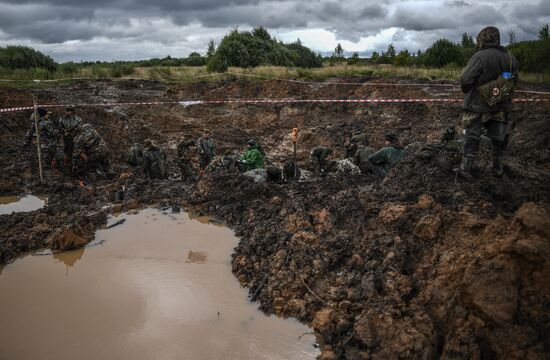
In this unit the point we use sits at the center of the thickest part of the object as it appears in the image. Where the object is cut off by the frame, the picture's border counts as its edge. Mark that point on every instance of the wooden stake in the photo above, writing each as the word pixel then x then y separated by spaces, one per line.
pixel 37 134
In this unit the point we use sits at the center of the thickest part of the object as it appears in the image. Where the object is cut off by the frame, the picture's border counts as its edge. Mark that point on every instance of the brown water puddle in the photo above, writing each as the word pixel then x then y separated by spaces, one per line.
pixel 138 296
pixel 11 204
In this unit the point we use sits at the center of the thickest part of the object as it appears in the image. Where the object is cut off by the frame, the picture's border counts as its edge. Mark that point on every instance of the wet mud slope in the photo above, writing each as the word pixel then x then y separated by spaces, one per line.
pixel 417 266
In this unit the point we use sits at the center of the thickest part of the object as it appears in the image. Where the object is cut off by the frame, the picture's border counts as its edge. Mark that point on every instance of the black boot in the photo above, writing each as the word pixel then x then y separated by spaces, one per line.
pixel 465 168
pixel 498 167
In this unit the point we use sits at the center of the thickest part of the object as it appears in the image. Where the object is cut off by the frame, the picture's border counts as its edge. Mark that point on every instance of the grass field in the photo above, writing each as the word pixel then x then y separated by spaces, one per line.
pixel 198 73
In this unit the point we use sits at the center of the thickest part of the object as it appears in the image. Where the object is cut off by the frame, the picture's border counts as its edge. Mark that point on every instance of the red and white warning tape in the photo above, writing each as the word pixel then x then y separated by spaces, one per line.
pixel 260 101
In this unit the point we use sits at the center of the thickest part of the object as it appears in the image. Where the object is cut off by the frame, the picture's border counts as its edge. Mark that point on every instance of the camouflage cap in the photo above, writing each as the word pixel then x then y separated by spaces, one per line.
pixel 489 36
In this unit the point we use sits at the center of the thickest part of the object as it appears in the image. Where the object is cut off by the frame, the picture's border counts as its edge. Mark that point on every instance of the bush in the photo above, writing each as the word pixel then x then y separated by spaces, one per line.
pixel 22 57
pixel 303 57
pixel 532 55
pixel 121 69
pixel 444 52
pixel 216 63
pixel 195 59
pixel 67 68
pixel 251 49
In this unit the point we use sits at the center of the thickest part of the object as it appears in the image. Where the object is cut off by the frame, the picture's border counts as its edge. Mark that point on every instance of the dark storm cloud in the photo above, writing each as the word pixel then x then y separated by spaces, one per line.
pixel 182 24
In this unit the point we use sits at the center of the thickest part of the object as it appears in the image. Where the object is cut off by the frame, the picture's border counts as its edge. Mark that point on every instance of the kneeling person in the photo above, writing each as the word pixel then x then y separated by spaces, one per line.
pixel 154 161
pixel 384 159
pixel 253 157
pixel 318 157
pixel 90 150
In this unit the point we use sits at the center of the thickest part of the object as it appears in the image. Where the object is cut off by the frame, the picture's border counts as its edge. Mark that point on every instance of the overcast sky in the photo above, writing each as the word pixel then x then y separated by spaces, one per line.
pixel 74 30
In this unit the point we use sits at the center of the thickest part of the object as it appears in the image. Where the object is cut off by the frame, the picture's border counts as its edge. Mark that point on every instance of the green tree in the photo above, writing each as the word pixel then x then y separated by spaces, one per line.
pixel 216 63
pixel 390 53
pixel 403 58
pixel 261 33
pixel 23 57
pixel 303 56
pixel 467 41
pixel 338 52
pixel 211 49
pixel 374 57
pixel 195 59
pixel 354 59
pixel 250 49
pixel 444 52
pixel 511 37
pixel 532 55
pixel 544 33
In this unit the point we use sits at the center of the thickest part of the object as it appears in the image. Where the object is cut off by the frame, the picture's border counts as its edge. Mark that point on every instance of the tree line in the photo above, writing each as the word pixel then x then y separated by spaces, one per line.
pixel 248 49
pixel 532 55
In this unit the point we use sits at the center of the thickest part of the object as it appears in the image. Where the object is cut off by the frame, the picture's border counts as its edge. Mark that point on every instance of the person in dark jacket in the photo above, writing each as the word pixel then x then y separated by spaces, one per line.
pixel 487 64
pixel 154 161
pixel 384 159
pixel 184 159
pixel 318 158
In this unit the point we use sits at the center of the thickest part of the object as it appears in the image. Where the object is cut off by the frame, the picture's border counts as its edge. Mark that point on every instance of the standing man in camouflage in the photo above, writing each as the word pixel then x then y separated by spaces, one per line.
pixel 206 148
pixel 48 136
pixel 68 125
pixel 489 63
pixel 90 150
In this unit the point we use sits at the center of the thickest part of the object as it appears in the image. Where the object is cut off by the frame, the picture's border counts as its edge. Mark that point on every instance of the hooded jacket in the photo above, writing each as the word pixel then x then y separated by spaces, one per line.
pixel 486 65
pixel 253 158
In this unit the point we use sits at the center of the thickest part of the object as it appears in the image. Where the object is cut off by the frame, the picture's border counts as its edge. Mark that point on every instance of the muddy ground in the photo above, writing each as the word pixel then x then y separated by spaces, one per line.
pixel 415 266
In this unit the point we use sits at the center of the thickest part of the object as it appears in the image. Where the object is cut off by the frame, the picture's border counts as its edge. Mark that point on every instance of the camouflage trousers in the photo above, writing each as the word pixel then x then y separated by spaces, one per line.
pixel 204 160
pixel 494 125
pixel 187 172
pixel 68 147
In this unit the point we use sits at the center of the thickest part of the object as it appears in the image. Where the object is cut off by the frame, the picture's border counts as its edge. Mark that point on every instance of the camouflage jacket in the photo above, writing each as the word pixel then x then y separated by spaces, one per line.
pixel 89 142
pixel 206 147
pixel 69 125
pixel 362 155
pixel 48 132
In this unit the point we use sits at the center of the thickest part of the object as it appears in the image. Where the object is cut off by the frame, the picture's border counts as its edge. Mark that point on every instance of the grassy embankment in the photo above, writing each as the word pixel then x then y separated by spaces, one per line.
pixel 194 73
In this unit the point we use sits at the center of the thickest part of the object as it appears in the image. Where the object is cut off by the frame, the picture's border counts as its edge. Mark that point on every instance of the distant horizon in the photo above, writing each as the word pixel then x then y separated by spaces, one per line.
pixel 136 30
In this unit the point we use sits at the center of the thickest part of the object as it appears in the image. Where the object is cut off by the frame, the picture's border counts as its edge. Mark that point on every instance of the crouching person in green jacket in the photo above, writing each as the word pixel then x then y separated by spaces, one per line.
pixel 253 157
pixel 384 159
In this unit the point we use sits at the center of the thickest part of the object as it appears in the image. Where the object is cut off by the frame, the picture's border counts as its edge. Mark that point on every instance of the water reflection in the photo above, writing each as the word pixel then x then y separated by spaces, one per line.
pixel 158 291
pixel 69 258
pixel 11 204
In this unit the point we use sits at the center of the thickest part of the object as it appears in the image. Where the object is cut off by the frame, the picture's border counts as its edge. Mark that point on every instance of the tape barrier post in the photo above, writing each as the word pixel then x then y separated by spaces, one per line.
pixel 37 134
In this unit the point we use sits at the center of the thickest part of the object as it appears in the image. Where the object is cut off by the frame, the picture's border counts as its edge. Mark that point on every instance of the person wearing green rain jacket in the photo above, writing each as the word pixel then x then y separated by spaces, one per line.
pixel 253 157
